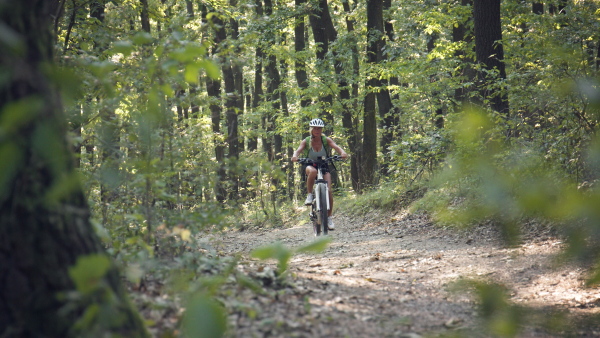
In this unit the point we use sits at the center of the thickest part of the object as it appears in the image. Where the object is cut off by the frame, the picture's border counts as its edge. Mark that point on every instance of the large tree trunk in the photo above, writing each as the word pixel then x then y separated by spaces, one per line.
pixel 44 218
pixel 320 21
pixel 384 101
pixel 392 118
pixel 233 96
pixel 213 89
pixel 299 47
pixel 257 95
pixel 461 33
pixel 145 16
pixel 369 151
pixel 489 51
pixel 353 137
pixel 275 97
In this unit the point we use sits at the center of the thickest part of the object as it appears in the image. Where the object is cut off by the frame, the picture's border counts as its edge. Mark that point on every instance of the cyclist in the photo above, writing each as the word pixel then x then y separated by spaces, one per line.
pixel 315 146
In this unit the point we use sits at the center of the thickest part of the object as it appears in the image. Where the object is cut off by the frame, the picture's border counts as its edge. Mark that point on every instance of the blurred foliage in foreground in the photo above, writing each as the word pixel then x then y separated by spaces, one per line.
pixel 490 177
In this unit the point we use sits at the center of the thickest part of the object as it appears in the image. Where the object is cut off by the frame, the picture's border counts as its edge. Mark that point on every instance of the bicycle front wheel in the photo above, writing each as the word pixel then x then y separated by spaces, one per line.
pixel 323 208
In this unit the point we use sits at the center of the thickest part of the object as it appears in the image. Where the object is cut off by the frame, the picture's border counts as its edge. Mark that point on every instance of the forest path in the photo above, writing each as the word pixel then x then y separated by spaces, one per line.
pixel 390 275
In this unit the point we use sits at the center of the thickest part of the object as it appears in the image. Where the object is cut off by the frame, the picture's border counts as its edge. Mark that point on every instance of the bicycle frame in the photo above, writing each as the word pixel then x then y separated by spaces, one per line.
pixel 321 183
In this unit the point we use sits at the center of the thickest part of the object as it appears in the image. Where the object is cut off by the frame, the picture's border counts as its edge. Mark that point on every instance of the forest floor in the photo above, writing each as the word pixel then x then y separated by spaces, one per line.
pixel 391 275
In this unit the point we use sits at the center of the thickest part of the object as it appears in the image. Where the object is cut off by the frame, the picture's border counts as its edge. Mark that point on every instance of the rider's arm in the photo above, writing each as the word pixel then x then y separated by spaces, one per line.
pixel 337 148
pixel 298 151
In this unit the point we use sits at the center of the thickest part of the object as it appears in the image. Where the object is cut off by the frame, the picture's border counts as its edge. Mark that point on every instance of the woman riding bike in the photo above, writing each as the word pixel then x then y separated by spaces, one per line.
pixel 316 146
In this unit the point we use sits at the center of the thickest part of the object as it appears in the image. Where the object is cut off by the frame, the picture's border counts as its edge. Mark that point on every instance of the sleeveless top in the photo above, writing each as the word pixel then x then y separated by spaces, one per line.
pixel 314 155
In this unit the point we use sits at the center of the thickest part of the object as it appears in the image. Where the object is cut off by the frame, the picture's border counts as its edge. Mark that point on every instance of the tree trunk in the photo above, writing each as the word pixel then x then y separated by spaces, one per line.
pixel 320 24
pixel 44 218
pixel 189 6
pixel 109 134
pixel 274 90
pixel 258 93
pixel 559 8
pixel 299 47
pixel 76 127
pixel 273 84
pixel 232 96
pixel 286 165
pixel 145 16
pixel 369 151
pixel 394 132
pixel 489 52
pixel 461 33
pixel 348 118
pixel 213 89
pixel 384 100
pixel 598 55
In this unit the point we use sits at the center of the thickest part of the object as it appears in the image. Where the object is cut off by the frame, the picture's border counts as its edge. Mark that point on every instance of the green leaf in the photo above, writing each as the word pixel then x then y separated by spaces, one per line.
pixel 50 146
pixel 204 317
pixel 277 251
pixel 16 114
pixel 142 38
pixel 191 73
pixel 189 53
pixel 317 246
pixel 124 47
pixel 211 69
pixel 63 187
pixel 88 272
pixel 88 318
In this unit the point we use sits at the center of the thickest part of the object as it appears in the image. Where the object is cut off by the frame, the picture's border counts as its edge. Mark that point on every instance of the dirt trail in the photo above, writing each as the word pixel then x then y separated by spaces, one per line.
pixel 390 278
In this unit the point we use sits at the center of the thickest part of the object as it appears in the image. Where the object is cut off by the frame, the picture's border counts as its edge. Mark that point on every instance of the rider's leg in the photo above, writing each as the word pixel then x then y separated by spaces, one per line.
pixel 328 179
pixel 311 176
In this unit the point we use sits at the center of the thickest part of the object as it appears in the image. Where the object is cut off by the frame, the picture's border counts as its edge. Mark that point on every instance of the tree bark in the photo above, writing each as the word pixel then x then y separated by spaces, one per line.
pixel 461 33
pixel 299 47
pixel 258 92
pixel 145 16
pixel 489 51
pixel 213 89
pixel 369 151
pixel 233 93
pixel 320 23
pixel 384 100
pixel 44 218
pixel 275 145
pixel 348 118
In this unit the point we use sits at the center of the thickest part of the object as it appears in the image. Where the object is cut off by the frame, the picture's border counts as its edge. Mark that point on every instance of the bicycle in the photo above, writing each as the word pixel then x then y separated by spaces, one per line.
pixel 320 205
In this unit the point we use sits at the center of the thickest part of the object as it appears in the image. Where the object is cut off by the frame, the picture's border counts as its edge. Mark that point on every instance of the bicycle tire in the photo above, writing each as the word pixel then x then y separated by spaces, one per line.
pixel 315 220
pixel 323 211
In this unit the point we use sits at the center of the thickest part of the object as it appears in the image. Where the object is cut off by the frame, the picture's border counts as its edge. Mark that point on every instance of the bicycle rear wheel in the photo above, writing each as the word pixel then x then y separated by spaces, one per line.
pixel 323 206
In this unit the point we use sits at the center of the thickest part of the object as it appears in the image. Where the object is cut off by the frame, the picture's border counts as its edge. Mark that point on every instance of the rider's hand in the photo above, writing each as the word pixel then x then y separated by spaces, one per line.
pixel 344 155
pixel 295 159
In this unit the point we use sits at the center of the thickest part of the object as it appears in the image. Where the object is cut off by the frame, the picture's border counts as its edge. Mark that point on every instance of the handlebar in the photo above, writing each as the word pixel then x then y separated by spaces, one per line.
pixel 331 159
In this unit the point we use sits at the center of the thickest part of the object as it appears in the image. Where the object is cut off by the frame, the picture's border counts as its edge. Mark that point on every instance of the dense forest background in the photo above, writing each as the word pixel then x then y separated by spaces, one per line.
pixel 188 107
pixel 183 115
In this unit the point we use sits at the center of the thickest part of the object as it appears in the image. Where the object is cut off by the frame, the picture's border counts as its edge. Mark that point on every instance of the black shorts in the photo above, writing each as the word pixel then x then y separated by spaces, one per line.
pixel 303 171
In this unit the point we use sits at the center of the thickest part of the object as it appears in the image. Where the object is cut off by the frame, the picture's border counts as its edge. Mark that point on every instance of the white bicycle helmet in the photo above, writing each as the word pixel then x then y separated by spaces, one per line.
pixel 316 123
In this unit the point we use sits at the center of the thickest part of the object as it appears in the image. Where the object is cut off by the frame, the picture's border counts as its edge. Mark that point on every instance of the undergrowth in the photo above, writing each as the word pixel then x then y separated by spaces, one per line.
pixel 389 197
